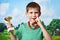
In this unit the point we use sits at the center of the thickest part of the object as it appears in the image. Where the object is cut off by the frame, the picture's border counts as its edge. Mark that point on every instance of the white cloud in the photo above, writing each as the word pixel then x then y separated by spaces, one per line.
pixel 15 12
pixel 46 20
pixel 47 14
pixel 3 8
pixel 47 11
pixel 17 16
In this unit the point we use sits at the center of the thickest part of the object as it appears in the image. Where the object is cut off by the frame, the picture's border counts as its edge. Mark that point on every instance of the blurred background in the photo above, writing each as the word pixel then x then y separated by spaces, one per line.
pixel 50 15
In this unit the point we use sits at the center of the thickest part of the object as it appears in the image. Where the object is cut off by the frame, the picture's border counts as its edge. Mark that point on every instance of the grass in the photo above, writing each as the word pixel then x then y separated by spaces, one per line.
pixel 4 36
pixel 56 37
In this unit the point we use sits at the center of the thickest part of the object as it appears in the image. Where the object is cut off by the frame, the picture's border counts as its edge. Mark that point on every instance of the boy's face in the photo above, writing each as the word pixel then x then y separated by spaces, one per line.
pixel 32 13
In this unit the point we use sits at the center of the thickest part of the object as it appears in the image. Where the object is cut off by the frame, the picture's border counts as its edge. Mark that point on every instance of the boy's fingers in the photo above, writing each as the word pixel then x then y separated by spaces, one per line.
pixel 8 25
pixel 37 19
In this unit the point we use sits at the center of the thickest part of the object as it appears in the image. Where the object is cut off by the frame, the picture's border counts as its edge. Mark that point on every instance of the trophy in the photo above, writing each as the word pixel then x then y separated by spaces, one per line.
pixel 8 19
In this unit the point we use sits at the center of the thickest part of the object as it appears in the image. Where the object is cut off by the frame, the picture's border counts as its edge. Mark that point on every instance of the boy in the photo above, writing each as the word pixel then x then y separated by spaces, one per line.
pixel 33 30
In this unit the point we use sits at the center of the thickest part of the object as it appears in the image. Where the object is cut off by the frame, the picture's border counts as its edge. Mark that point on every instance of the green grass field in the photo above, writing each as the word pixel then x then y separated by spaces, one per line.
pixel 56 37
pixel 4 35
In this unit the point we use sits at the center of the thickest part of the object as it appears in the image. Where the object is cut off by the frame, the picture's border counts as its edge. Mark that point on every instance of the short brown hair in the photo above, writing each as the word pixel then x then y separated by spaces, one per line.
pixel 33 5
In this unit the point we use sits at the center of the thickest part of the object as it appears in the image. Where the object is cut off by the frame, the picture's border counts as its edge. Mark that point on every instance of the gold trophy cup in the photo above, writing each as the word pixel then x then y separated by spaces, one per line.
pixel 8 19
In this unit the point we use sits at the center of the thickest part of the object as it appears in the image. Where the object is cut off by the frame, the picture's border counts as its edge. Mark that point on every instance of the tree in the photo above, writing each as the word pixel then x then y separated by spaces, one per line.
pixel 2 27
pixel 54 27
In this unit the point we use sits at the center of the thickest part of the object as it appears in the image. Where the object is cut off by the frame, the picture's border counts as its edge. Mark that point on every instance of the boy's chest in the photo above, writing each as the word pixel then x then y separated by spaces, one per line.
pixel 30 32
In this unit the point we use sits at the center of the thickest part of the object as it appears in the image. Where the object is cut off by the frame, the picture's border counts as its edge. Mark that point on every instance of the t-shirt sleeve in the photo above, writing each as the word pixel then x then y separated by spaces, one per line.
pixel 18 32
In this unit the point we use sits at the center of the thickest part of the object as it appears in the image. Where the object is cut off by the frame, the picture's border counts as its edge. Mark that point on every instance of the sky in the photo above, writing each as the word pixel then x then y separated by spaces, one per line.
pixel 50 9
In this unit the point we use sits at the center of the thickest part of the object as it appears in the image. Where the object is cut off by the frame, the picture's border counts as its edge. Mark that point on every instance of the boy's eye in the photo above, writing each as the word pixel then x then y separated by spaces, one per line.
pixel 31 12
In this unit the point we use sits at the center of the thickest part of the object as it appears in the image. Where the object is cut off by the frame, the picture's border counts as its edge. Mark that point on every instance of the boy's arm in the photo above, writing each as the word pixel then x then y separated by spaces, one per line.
pixel 45 33
pixel 12 36
pixel 11 32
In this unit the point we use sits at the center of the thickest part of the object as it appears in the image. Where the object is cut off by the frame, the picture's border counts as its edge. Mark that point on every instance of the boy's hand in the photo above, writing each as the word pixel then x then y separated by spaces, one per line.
pixel 9 25
pixel 38 21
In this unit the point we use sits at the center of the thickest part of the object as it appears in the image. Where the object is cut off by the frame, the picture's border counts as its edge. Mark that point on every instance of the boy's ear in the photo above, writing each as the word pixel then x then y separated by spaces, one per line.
pixel 40 14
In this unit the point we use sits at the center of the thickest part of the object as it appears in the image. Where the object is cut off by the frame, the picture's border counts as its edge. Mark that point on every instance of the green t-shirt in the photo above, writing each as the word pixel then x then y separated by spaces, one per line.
pixel 26 33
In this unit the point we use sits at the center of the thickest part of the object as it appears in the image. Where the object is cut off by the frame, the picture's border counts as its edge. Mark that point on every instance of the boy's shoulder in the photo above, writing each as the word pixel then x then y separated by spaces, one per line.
pixel 21 25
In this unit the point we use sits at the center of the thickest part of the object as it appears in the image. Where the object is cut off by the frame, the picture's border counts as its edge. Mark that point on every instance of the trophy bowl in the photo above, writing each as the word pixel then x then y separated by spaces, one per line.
pixel 8 18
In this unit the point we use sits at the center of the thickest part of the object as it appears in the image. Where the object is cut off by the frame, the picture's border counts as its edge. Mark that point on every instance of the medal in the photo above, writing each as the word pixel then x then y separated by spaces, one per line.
pixel 34 23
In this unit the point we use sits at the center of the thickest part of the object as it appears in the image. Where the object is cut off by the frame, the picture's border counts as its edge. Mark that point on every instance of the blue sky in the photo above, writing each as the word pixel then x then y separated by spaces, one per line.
pixel 50 9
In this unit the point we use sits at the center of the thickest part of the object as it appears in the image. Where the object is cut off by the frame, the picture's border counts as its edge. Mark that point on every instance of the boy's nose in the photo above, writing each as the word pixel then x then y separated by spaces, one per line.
pixel 34 14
